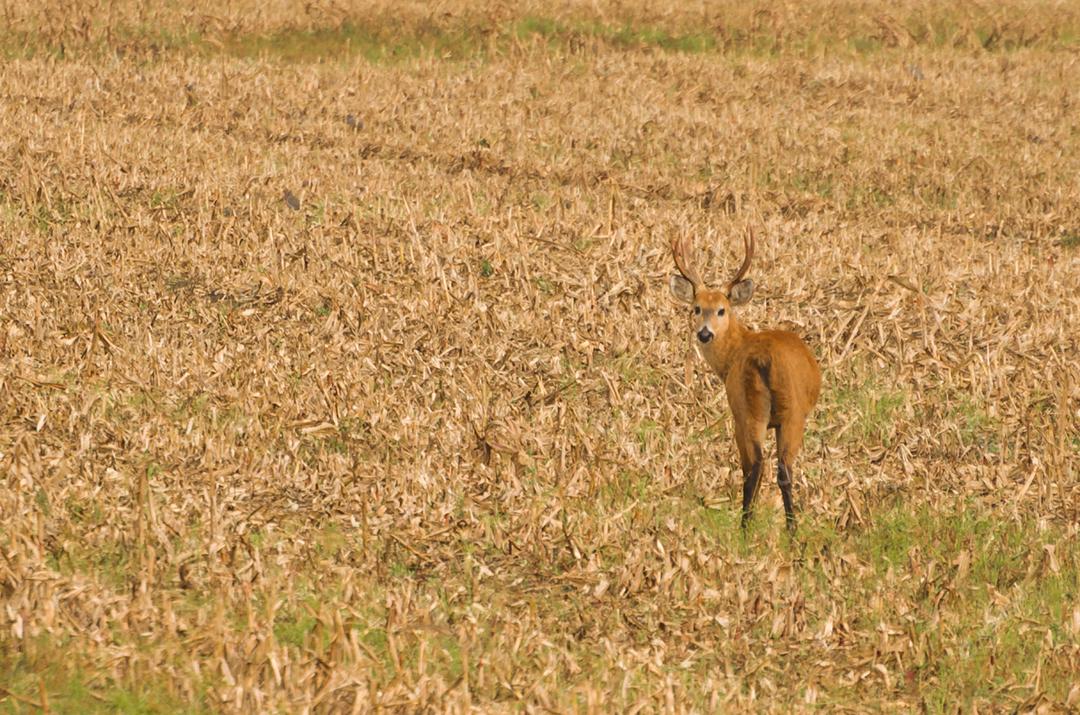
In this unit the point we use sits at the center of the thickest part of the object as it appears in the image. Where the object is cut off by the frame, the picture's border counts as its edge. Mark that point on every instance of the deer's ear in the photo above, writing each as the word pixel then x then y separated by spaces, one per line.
pixel 741 292
pixel 681 288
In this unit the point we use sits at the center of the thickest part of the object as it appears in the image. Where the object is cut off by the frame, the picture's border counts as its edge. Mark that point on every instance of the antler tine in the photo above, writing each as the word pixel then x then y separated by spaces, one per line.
pixel 748 244
pixel 678 251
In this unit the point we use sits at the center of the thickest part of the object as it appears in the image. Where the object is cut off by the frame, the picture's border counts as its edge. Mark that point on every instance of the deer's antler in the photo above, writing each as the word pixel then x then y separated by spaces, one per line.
pixel 748 243
pixel 678 251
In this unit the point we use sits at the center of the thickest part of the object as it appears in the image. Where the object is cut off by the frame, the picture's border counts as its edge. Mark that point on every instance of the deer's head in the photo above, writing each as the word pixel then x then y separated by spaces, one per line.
pixel 710 308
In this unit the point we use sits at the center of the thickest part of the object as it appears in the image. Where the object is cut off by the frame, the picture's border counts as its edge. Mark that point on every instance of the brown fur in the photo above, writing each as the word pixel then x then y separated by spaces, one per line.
pixel 771 377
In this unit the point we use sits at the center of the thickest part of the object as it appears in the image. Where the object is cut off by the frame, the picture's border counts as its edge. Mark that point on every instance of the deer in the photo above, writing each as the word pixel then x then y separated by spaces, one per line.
pixel 771 377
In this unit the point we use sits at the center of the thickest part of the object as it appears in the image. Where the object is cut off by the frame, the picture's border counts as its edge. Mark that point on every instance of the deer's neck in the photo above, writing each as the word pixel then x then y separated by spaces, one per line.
pixel 720 353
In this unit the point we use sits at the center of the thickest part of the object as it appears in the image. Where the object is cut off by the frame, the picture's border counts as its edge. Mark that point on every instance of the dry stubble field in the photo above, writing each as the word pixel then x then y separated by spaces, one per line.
pixel 421 433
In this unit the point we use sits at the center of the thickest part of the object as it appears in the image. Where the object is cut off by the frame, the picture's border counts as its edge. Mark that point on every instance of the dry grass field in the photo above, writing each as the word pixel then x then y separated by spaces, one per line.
pixel 339 371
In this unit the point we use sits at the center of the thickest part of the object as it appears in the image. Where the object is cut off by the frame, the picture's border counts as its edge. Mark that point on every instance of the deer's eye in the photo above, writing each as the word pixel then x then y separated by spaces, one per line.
pixel 719 312
pixel 697 310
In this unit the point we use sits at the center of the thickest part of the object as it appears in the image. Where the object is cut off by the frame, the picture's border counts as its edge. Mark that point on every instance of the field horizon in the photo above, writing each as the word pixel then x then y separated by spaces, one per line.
pixel 339 370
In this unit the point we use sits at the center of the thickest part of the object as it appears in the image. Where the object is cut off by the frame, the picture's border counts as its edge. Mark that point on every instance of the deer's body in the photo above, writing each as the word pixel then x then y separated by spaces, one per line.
pixel 773 366
pixel 771 377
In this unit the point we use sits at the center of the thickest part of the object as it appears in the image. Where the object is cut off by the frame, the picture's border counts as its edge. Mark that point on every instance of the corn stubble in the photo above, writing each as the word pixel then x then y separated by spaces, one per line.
pixel 331 385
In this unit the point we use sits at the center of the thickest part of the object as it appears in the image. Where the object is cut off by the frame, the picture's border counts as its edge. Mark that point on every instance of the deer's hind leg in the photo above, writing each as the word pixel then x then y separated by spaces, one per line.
pixel 750 437
pixel 789 438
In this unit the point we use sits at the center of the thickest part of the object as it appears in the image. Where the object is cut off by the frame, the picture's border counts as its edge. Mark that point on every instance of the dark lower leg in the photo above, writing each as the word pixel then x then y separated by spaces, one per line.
pixel 783 478
pixel 751 481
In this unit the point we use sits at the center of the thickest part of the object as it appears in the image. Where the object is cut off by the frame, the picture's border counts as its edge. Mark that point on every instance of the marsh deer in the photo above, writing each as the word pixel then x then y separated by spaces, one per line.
pixel 771 376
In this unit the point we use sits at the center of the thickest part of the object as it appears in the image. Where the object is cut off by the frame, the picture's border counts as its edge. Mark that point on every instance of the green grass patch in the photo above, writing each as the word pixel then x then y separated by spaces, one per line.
pixel 635 371
pixel 293 629
pixel 646 430
pixel 625 489
pixel 544 284
pixel 983 590
pixel 621 35
pixel 976 424
pixel 385 38
pixel 717 525
pixel 53 666
pixel 114 563
pixel 874 408
pixel 997 548
pixel 376 42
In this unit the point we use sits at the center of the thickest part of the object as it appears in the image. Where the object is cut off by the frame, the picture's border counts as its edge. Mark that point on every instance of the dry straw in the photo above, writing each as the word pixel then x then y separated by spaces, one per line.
pixel 304 414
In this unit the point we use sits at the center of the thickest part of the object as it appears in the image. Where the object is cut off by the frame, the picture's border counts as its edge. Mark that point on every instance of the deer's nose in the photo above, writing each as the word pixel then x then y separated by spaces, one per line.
pixel 704 335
